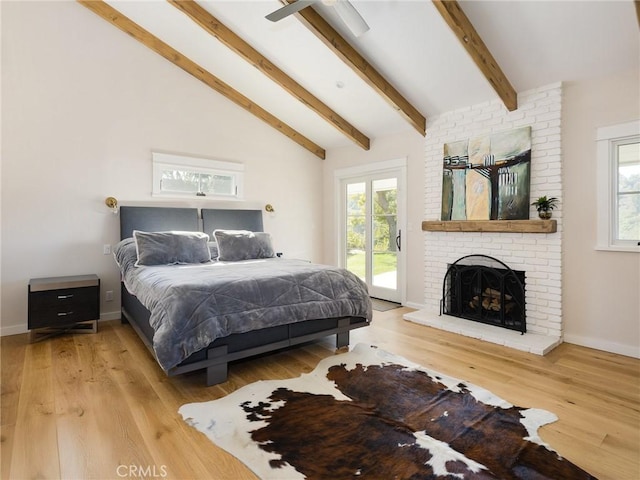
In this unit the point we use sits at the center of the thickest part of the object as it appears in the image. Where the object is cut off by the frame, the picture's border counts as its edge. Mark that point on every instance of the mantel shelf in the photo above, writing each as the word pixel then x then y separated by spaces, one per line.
pixel 508 226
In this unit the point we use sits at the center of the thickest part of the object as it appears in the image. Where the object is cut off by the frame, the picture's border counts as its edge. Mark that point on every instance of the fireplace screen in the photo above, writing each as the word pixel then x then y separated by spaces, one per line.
pixel 484 289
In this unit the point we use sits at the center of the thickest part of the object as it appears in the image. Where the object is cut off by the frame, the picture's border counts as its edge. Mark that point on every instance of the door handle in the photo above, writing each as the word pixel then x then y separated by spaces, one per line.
pixel 398 240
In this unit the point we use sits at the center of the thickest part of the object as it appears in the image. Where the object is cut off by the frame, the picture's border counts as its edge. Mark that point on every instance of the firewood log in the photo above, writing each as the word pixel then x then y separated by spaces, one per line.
pixel 475 302
pixel 493 293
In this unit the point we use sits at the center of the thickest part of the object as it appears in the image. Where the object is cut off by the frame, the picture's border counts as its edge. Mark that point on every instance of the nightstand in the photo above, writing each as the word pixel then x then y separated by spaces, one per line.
pixel 63 304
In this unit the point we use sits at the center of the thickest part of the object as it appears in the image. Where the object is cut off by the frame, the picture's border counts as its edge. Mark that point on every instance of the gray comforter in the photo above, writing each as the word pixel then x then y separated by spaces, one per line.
pixel 192 305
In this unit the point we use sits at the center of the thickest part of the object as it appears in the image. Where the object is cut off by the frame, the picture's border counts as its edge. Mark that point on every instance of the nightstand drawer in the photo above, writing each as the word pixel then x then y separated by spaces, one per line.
pixel 63 298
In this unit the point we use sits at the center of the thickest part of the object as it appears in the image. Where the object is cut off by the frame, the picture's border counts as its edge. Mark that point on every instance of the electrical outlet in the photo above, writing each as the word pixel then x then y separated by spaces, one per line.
pixel 106 249
pixel 109 295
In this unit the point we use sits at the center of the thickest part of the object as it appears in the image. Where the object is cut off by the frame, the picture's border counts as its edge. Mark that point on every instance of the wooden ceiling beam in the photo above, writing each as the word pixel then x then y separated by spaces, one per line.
pixel 226 36
pixel 471 41
pixel 332 39
pixel 114 17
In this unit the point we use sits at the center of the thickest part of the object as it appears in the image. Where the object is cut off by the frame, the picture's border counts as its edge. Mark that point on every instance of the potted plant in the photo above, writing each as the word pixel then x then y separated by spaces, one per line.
pixel 544 206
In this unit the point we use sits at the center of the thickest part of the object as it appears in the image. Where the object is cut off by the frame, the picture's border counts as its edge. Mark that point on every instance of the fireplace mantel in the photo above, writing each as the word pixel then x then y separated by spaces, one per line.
pixel 509 226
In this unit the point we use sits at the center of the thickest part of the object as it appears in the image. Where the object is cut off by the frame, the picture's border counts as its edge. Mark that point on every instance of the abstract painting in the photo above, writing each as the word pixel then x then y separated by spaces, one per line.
pixel 487 177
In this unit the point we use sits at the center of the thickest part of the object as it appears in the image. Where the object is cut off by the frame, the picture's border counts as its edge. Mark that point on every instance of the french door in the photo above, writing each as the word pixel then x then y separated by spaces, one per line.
pixel 371 234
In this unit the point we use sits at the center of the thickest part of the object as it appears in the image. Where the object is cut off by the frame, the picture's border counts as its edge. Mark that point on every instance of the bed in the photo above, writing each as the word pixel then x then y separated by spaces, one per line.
pixel 201 315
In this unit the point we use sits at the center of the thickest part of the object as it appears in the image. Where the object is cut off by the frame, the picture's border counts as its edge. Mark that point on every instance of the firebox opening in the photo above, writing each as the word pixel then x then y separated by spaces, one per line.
pixel 484 289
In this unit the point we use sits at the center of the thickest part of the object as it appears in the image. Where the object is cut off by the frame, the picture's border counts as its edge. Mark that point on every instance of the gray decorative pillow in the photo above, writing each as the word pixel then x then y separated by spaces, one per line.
pixel 125 253
pixel 235 245
pixel 169 248
pixel 213 249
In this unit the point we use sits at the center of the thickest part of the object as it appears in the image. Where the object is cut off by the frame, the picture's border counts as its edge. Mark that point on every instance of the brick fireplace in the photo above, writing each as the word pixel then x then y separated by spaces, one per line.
pixel 538 255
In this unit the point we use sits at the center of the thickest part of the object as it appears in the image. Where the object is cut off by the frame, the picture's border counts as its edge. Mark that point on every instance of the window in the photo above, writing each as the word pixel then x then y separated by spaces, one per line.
pixel 179 176
pixel 619 187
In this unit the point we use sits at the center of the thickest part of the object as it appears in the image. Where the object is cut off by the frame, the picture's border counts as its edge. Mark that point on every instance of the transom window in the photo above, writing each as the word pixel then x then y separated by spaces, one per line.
pixel 619 187
pixel 180 176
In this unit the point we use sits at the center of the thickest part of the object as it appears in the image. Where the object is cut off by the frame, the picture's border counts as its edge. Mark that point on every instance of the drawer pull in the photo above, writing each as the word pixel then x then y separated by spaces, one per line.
pixel 64 314
pixel 62 297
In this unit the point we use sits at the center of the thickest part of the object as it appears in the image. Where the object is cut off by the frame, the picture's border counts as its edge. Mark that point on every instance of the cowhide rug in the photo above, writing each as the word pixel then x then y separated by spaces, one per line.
pixel 370 414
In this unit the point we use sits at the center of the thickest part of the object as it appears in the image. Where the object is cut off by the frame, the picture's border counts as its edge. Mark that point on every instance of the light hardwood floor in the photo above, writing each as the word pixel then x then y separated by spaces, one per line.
pixel 99 407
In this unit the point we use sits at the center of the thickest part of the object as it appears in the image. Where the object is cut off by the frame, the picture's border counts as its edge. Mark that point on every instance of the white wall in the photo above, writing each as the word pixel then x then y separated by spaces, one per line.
pixel 410 146
pixel 83 107
pixel 602 289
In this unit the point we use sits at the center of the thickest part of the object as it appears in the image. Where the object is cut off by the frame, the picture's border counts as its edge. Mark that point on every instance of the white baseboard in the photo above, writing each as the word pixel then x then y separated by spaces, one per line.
pixel 13 330
pixel 18 329
pixel 417 306
pixel 598 344
pixel 110 315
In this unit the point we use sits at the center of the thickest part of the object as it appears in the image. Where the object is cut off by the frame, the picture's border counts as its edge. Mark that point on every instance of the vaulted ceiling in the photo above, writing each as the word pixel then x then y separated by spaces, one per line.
pixel 309 77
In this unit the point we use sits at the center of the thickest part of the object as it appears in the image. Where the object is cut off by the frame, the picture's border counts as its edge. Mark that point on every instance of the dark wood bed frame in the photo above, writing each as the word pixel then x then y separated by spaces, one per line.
pixel 216 356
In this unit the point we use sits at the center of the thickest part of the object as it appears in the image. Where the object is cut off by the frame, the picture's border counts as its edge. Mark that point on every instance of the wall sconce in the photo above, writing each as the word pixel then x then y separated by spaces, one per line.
pixel 269 208
pixel 112 203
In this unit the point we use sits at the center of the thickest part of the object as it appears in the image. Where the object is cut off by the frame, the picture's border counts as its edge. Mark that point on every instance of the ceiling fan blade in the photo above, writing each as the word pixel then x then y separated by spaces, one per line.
pixel 289 9
pixel 351 18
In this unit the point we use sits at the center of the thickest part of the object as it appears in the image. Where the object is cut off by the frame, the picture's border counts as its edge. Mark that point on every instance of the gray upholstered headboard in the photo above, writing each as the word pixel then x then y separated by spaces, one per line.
pixel 231 220
pixel 157 219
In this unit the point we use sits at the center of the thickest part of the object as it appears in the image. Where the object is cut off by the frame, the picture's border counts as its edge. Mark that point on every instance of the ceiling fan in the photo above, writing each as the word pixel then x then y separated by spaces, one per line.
pixel 347 13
